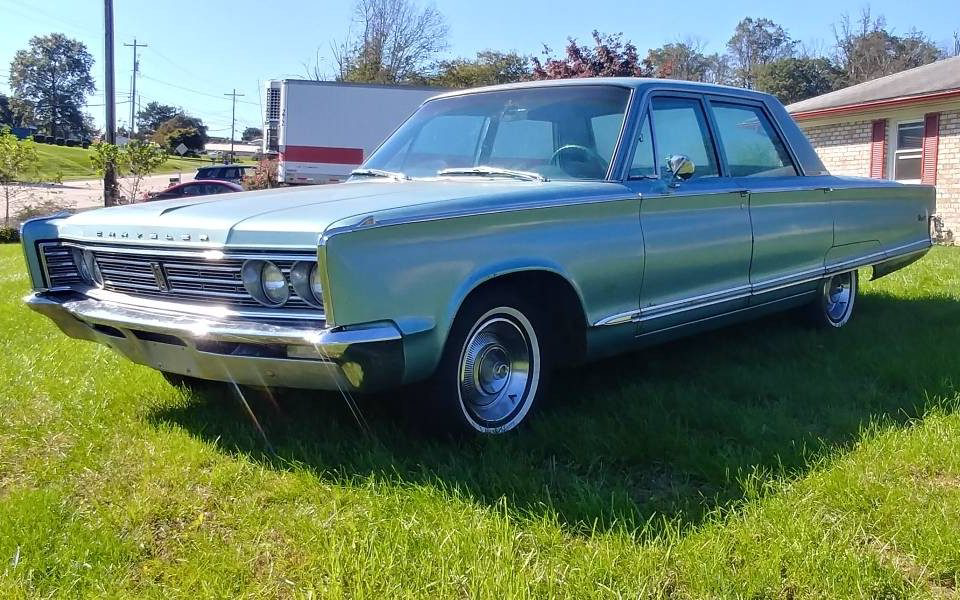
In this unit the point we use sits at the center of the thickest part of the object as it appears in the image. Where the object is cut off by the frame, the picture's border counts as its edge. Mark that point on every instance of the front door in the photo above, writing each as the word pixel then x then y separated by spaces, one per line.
pixel 697 236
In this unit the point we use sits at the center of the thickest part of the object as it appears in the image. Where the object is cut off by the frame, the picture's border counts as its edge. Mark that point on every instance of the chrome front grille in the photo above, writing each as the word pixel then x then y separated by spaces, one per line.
pixel 191 277
pixel 58 266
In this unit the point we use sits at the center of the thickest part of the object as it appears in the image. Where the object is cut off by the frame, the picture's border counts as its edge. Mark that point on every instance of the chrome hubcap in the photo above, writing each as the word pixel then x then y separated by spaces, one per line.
pixel 838 293
pixel 496 370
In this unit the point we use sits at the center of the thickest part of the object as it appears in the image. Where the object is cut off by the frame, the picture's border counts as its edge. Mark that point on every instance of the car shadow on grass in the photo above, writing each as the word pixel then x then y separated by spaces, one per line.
pixel 666 434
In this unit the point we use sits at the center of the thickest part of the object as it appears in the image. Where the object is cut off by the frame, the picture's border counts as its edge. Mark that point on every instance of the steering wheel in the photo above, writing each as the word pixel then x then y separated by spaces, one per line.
pixel 593 158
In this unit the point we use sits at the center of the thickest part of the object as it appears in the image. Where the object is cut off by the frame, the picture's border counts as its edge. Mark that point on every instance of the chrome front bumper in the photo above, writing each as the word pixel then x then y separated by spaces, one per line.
pixel 362 358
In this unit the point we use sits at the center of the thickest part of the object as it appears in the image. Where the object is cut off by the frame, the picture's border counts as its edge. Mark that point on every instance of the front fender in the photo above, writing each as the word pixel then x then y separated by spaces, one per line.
pixel 417 274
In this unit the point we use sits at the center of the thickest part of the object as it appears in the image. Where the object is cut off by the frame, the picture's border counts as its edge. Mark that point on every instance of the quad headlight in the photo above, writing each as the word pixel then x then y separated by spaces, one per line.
pixel 305 278
pixel 87 267
pixel 265 282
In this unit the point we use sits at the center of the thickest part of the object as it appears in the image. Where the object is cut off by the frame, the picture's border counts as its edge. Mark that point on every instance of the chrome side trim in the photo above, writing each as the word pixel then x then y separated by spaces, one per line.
pixel 770 285
pixel 619 319
pixel 620 195
pixel 784 281
pixel 733 312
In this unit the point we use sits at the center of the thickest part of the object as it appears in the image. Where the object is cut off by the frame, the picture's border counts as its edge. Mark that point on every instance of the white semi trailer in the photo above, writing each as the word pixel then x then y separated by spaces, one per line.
pixel 321 130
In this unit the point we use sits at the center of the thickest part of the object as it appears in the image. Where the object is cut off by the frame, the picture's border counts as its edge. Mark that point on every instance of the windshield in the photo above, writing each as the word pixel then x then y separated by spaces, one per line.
pixel 554 132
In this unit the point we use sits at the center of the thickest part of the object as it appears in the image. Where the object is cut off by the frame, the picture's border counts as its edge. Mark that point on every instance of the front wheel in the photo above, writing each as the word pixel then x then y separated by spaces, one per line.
pixel 834 304
pixel 493 369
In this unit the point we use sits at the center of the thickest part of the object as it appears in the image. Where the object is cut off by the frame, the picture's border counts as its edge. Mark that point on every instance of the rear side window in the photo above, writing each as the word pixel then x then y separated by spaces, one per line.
pixel 207 173
pixel 680 127
pixel 752 146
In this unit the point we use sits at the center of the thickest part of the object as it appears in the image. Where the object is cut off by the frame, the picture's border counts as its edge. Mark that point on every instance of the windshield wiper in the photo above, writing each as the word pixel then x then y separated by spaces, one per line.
pixel 494 171
pixel 381 173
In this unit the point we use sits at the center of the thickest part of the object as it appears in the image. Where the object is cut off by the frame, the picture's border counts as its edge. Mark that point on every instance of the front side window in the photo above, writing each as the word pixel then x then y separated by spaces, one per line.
pixel 680 127
pixel 752 147
pixel 562 132
pixel 643 165
pixel 908 152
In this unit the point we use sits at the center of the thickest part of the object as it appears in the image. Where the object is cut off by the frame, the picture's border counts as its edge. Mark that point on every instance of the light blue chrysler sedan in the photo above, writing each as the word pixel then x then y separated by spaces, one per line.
pixel 498 234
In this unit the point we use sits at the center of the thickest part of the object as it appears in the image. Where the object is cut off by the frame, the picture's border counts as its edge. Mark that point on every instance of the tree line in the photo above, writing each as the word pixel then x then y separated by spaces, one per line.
pixel 398 42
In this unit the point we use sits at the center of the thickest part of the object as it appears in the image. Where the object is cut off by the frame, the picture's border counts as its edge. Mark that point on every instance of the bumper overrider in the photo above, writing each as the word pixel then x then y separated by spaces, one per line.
pixel 300 355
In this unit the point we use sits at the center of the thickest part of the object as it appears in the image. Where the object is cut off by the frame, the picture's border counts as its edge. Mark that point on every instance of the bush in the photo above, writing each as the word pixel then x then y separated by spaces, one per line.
pixel 9 235
pixel 264 177
pixel 43 207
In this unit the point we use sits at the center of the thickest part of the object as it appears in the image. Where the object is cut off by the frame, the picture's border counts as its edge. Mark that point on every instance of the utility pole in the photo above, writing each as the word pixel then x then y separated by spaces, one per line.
pixel 233 119
pixel 109 172
pixel 133 85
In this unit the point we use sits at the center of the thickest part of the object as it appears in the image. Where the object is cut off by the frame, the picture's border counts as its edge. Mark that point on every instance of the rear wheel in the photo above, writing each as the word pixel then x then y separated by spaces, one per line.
pixel 834 304
pixel 493 369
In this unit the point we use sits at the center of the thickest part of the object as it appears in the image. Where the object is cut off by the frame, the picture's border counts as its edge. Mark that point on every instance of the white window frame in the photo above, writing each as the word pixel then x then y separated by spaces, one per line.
pixel 893 151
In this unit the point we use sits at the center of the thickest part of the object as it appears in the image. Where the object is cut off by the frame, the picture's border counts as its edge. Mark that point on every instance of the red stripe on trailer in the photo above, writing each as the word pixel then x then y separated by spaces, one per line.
pixel 323 154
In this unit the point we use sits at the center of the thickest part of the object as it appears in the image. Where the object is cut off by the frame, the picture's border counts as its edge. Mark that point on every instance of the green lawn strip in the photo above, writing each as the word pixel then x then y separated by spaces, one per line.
pixel 758 461
pixel 73 163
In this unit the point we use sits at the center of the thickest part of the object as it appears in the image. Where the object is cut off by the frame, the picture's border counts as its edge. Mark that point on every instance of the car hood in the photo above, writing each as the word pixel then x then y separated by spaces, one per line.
pixel 296 217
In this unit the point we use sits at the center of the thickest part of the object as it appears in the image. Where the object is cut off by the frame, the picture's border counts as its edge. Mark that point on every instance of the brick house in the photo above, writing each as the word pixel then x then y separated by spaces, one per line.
pixel 904 126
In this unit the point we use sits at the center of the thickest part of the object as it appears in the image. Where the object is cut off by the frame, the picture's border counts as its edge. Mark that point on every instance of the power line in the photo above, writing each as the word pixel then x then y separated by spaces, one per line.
pixel 175 64
pixel 75 27
pixel 233 120
pixel 193 91
pixel 133 85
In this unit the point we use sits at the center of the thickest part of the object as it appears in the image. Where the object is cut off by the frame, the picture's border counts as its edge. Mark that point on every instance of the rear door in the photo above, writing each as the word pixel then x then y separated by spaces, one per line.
pixel 791 217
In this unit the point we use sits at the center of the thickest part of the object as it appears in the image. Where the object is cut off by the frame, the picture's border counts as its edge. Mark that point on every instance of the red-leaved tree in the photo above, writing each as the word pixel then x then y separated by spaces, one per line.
pixel 610 56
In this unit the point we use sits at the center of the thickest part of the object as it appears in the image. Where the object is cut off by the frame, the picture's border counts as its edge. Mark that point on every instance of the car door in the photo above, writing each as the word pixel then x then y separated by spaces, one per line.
pixel 791 218
pixel 697 238
pixel 192 189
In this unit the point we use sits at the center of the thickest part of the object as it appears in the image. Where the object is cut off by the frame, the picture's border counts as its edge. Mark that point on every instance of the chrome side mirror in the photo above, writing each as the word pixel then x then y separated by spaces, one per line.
pixel 681 168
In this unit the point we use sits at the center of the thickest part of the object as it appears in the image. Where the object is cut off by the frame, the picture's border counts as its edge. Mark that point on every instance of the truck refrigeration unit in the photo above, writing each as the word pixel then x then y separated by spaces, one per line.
pixel 321 130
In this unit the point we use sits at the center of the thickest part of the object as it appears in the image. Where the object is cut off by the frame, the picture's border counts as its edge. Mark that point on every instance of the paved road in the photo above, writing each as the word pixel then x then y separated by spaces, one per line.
pixel 88 193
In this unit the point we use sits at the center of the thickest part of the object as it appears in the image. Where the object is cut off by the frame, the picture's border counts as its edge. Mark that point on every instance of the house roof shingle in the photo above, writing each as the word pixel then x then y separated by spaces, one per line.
pixel 940 76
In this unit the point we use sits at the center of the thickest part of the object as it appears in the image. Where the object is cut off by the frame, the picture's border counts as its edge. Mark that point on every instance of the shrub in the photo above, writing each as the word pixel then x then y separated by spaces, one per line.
pixel 264 177
pixel 9 235
pixel 42 208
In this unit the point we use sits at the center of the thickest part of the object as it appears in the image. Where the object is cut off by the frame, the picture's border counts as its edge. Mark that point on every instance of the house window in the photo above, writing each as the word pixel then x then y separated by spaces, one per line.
pixel 907 155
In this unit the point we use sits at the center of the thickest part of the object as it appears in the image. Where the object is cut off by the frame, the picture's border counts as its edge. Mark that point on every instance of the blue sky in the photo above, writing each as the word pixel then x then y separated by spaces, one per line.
pixel 201 49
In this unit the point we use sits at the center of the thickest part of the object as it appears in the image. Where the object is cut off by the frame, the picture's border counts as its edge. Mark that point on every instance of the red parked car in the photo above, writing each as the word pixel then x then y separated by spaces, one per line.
pixel 203 187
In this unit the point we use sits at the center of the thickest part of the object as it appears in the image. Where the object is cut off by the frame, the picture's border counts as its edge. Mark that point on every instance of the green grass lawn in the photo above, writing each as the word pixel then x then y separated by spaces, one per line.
pixel 760 461
pixel 74 163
